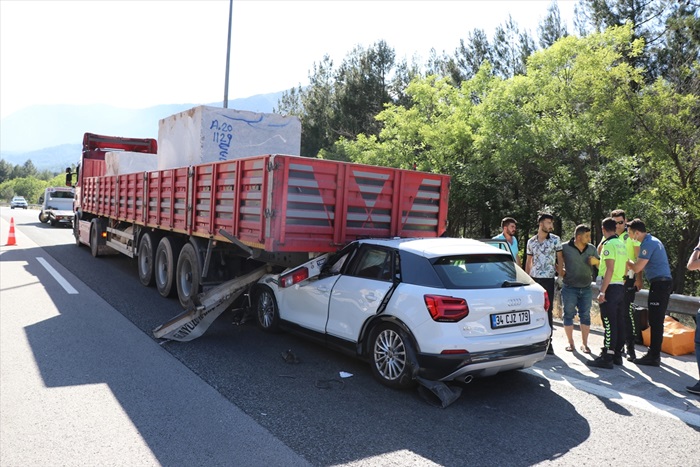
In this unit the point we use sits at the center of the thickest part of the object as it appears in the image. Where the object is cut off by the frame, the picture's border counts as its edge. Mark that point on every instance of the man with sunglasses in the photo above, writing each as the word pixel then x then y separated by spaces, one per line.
pixel 653 260
pixel 633 283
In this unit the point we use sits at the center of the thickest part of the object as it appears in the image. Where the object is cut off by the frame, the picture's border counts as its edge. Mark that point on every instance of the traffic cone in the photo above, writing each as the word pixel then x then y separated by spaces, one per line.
pixel 11 240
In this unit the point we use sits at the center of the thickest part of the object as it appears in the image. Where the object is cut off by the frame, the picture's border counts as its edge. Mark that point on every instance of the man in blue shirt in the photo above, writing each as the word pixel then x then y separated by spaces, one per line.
pixel 509 225
pixel 653 260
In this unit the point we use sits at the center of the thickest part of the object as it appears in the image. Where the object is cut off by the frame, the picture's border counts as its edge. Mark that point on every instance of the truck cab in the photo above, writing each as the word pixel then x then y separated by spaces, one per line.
pixel 57 206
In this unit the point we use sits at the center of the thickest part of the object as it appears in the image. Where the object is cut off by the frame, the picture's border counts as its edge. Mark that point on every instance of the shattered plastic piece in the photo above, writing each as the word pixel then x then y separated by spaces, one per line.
pixel 289 357
pixel 345 374
pixel 436 393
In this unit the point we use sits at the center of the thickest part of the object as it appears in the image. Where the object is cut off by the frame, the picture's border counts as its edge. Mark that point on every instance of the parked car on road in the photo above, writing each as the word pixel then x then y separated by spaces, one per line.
pixel 445 309
pixel 18 202
pixel 57 206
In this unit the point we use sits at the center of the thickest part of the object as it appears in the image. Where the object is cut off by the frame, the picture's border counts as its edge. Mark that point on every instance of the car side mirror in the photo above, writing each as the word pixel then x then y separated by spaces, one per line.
pixel 69 177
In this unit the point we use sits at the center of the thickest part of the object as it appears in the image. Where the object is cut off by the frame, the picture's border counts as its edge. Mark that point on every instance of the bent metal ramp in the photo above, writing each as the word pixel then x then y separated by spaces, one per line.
pixel 197 319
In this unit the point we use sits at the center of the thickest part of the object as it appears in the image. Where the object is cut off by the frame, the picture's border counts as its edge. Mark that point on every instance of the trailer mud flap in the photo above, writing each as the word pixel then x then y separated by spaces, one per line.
pixel 196 320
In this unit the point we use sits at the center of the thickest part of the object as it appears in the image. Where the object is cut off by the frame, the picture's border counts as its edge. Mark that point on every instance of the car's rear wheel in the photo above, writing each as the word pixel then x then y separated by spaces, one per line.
pixel 267 312
pixel 389 356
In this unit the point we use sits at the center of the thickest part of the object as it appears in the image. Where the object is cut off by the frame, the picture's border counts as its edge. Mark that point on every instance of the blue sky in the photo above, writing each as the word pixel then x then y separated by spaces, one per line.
pixel 137 54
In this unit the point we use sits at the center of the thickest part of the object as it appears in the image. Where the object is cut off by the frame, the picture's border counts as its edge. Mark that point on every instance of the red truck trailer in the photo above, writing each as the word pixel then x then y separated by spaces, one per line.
pixel 197 227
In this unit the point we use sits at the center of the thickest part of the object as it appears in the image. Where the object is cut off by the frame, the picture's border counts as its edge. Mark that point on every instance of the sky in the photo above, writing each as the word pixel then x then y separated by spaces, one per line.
pixel 140 53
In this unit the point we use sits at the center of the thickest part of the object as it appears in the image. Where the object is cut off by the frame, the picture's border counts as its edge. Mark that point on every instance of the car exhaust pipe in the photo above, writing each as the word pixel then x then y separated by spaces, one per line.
pixel 468 379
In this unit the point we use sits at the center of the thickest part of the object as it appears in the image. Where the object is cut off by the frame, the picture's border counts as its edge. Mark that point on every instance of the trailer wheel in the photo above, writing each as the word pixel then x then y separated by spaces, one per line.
pixel 42 218
pixel 188 275
pixel 146 260
pixel 76 231
pixel 266 310
pixel 94 240
pixel 166 260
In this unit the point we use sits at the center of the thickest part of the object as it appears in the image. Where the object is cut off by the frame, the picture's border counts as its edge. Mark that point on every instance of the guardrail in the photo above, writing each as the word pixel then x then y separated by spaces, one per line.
pixel 681 304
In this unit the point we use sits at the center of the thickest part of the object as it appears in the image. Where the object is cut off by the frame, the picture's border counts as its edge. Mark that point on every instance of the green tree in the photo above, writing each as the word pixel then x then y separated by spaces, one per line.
pixel 551 29
pixel 5 170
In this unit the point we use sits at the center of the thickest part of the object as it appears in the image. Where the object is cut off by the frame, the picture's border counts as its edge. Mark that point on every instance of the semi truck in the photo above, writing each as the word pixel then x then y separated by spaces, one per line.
pixel 207 231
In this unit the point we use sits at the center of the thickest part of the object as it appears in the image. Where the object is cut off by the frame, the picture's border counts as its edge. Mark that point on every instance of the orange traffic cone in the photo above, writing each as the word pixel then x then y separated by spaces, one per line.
pixel 11 240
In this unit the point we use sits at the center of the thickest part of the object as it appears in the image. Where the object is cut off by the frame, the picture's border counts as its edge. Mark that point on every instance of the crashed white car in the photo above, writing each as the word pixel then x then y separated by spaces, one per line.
pixel 443 309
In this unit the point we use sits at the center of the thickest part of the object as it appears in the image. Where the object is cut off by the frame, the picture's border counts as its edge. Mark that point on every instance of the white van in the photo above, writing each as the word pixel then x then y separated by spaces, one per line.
pixel 57 206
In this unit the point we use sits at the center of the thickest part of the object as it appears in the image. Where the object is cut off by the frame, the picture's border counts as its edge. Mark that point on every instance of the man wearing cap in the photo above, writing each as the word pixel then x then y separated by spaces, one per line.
pixel 509 225
pixel 653 260
pixel 545 260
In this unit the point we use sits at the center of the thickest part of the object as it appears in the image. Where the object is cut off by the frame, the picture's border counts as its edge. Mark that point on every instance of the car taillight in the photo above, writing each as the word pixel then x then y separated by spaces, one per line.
pixel 446 309
pixel 546 301
pixel 294 277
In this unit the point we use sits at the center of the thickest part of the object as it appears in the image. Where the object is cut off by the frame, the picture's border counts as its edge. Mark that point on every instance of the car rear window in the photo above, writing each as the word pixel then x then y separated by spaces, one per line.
pixel 487 271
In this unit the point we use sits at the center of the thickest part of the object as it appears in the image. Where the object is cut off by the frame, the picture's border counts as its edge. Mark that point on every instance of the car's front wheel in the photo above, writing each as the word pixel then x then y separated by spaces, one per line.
pixel 389 356
pixel 266 310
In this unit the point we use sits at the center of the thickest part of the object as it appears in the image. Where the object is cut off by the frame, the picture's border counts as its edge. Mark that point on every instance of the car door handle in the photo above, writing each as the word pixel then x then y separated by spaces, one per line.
pixel 322 289
pixel 370 297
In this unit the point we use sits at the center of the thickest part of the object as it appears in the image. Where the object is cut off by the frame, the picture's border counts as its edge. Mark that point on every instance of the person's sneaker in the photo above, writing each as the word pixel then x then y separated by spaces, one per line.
pixel 648 360
pixel 602 361
pixel 694 389
pixel 631 355
pixel 617 359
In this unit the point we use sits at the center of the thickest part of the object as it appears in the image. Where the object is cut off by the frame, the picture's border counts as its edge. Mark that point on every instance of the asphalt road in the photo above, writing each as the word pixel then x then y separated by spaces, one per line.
pixel 558 413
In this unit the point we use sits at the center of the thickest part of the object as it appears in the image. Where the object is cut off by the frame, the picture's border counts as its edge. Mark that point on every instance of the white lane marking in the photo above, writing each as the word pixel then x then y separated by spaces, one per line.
pixel 59 278
pixel 612 394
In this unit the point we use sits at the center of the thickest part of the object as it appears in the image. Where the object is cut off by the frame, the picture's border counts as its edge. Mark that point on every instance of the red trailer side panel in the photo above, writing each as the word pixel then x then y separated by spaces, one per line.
pixel 277 203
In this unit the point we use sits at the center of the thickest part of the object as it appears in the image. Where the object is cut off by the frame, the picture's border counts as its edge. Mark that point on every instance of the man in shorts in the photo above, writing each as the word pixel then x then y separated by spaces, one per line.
pixel 579 258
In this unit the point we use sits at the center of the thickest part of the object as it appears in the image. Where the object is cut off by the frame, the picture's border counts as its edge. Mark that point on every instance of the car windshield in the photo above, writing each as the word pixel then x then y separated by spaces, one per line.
pixel 62 194
pixel 487 271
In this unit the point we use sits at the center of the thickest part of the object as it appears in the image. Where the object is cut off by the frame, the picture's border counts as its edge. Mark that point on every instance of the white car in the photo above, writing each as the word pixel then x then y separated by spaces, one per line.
pixel 444 309
pixel 18 202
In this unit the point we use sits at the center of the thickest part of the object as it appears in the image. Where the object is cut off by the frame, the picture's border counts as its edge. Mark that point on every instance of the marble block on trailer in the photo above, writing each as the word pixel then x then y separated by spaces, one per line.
pixel 210 134
pixel 126 162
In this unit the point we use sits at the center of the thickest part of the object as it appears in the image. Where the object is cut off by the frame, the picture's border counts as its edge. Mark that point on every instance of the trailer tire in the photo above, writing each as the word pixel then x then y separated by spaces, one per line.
pixel 188 275
pixel 76 230
pixel 146 259
pixel 164 266
pixel 42 218
pixel 94 240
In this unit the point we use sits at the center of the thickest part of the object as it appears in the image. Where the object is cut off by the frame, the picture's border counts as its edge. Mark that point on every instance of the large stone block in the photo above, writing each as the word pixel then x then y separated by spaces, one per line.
pixel 210 134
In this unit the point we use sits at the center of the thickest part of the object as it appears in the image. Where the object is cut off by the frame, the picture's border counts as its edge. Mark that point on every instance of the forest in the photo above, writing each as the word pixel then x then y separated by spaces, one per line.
pixel 575 123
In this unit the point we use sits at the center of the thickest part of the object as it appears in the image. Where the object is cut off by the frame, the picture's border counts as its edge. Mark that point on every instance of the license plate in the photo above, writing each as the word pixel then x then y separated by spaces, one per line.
pixel 514 318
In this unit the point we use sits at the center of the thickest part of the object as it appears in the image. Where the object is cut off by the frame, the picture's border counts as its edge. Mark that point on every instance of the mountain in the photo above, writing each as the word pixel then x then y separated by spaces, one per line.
pixel 51 135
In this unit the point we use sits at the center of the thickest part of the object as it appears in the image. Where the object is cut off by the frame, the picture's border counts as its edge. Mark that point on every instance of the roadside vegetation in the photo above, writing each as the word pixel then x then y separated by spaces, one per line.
pixel 577 124
pixel 25 180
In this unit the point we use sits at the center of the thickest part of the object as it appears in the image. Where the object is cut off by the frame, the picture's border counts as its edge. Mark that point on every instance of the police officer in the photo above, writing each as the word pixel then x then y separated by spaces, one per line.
pixel 611 279
pixel 633 283
pixel 653 260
